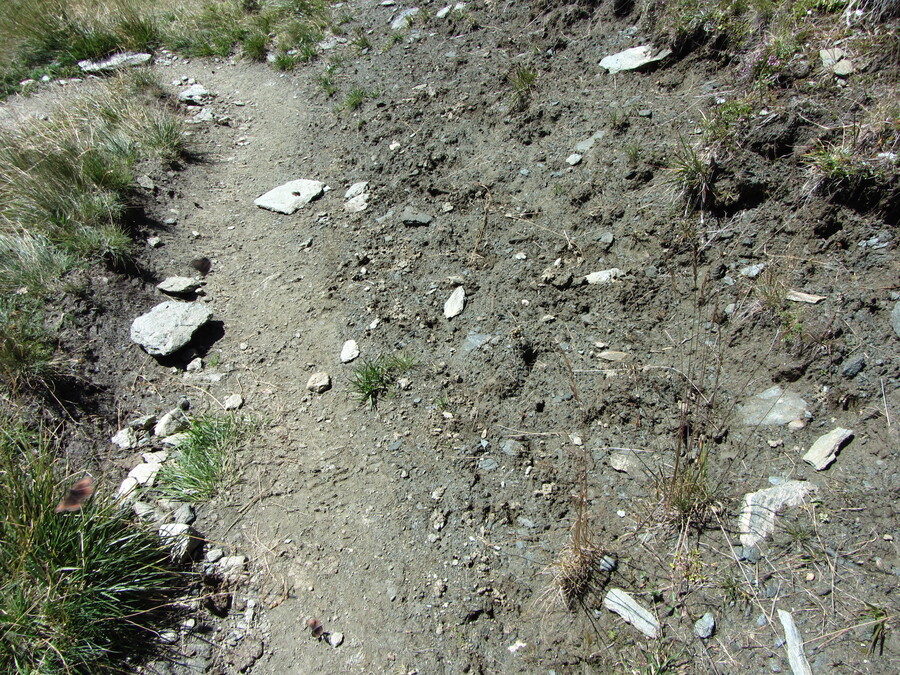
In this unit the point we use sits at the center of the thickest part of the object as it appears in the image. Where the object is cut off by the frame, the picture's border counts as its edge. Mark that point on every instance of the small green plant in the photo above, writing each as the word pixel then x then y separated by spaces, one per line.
pixel 374 378
pixel 79 588
pixel 727 123
pixel 879 617
pixel 355 98
pixel 692 172
pixel 619 118
pixel 523 80
pixel 632 154
pixel 203 461
pixel 327 82
pixel 256 46
pixel 361 41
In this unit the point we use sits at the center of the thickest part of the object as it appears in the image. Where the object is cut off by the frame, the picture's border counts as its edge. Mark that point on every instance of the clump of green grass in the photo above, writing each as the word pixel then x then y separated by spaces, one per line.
pixel 78 590
pixel 356 97
pixel 327 82
pixel 201 466
pixel 727 123
pixel 523 81
pixel 374 378
pixel 692 172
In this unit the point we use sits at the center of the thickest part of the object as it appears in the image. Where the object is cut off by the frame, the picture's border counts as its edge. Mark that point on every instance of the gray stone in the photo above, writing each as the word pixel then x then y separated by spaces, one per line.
pixel 214 555
pixel 404 18
pixel 196 94
pixel 349 351
pixel 181 539
pixel 632 59
pixel 455 303
pixel 335 639
pixel 184 514
pixel 233 402
pixel 147 512
pixel 319 383
pixel 291 196
pixel 583 146
pixel 145 473
pixel 512 448
pixel 895 318
pixel 145 182
pixel 115 62
pixel 573 159
pixel 357 204
pixel 751 554
pixel 773 406
pixel 831 56
pixel 843 68
pixel 752 271
pixel 705 626
pixel 487 464
pixel 125 438
pixel 179 285
pixel 169 326
pixel 357 189
pixel 414 218
pixel 171 423
pixel 175 440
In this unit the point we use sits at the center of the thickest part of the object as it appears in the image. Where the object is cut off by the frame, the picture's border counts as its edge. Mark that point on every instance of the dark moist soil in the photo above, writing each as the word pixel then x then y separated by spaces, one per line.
pixel 424 530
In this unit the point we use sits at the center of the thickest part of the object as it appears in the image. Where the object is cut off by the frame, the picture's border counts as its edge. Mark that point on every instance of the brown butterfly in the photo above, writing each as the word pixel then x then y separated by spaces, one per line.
pixel 76 495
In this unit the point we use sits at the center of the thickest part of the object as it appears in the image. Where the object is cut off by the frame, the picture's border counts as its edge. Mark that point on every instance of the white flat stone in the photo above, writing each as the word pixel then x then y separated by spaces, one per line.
pixel 632 59
pixel 319 383
pixel 620 602
pixel 799 296
pixel 774 406
pixel 179 285
pixel 455 303
pixel 169 326
pixel 357 204
pixel 291 196
pixel 356 189
pixel 349 351
pixel 604 276
pixel 757 519
pixel 145 473
pixel 124 60
pixel 824 451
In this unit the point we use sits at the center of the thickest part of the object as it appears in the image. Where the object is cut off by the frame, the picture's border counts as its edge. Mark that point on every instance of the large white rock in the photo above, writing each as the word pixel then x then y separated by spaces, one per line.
pixel 632 59
pixel 291 196
pixel 620 602
pixel 169 326
pixel 349 351
pixel 757 520
pixel 455 303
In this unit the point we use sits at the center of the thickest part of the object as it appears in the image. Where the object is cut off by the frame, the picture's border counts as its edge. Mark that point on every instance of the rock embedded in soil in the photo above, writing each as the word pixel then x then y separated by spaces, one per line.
pixel 125 438
pixel 179 285
pixel 620 602
pixel 412 218
pixel 115 62
pixel 705 626
pixel 181 539
pixel 319 383
pixel 895 318
pixel 757 519
pixel 824 451
pixel 796 653
pixel 404 18
pixel 774 406
pixel 604 276
pixel 455 303
pixel 171 423
pixel 169 326
pixel 291 196
pixel 633 58
pixel 196 94
pixel 233 402
pixel 145 473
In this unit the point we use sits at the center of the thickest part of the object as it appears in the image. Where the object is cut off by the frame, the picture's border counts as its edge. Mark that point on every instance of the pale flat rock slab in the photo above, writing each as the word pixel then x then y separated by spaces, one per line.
pixel 171 423
pixel 774 406
pixel 757 519
pixel 125 438
pixel 604 276
pixel 145 474
pixel 831 56
pixel 612 355
pixel 583 146
pixel 291 196
pixel 169 326
pixel 808 298
pixel 115 62
pixel 127 488
pixel 455 303
pixel 632 59
pixel 404 18
pixel 574 159
pixel 895 318
pixel 625 462
pixel 349 351
pixel 196 94
pixel 179 285
pixel 357 189
pixel 357 204
pixel 796 654
pixel 620 602
pixel 824 451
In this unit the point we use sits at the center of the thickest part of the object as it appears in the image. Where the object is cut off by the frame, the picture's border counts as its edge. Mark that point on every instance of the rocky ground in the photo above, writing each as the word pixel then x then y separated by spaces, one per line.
pixel 422 533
